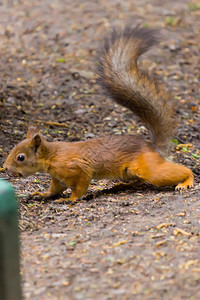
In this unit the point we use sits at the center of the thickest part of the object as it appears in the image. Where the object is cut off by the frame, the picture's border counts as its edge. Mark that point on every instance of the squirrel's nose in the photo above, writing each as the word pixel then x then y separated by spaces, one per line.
pixel 5 166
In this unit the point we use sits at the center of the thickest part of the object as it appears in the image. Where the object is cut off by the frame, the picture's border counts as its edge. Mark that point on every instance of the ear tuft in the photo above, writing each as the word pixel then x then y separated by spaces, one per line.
pixel 31 132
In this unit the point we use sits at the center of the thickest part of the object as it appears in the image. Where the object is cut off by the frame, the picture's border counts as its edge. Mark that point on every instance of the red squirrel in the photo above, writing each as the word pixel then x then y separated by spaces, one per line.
pixel 74 164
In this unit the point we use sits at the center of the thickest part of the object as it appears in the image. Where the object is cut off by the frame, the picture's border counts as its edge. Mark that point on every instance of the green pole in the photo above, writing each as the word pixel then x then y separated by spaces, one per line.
pixel 10 287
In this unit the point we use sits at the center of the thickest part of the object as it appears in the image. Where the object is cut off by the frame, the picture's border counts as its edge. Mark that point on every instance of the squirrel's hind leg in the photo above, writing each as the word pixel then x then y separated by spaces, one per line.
pixel 151 167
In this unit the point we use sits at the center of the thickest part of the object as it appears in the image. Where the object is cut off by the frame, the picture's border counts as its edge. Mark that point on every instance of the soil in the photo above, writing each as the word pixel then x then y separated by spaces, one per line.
pixel 117 242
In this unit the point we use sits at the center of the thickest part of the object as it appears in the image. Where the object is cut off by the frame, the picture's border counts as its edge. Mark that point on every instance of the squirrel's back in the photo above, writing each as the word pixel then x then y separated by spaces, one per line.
pixel 133 88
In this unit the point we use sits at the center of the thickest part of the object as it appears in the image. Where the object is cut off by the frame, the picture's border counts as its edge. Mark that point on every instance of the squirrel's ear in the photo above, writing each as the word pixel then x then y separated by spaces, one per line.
pixel 31 131
pixel 36 141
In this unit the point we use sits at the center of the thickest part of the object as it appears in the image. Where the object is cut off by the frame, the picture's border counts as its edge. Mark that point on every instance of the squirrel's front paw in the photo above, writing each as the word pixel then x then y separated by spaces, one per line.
pixel 67 200
pixel 62 200
pixel 40 195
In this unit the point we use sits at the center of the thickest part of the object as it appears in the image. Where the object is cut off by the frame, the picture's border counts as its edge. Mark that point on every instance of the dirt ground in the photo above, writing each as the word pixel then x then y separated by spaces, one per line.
pixel 122 243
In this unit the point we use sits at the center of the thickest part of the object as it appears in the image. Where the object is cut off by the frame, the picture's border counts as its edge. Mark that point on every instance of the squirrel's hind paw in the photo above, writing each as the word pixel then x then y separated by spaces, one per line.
pixel 184 186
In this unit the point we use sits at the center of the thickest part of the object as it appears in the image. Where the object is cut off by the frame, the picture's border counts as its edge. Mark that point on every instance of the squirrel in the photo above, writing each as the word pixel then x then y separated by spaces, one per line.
pixel 126 157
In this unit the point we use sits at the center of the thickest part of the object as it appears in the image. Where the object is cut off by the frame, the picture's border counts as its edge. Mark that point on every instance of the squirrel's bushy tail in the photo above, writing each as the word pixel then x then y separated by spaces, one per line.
pixel 131 87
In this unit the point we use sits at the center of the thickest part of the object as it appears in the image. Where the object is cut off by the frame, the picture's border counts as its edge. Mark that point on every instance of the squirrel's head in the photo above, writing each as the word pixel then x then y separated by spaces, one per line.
pixel 25 158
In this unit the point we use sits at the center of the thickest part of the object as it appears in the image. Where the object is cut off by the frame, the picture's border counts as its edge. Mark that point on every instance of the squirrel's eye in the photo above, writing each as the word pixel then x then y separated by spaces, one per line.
pixel 20 157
